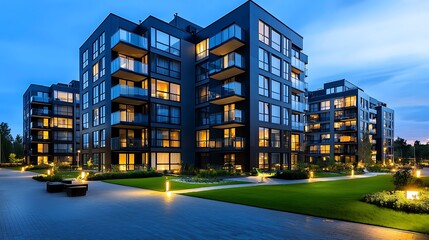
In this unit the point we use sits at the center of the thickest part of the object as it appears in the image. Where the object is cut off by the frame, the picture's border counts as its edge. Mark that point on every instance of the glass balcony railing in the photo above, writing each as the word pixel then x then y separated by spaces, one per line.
pixel 299 126
pixel 297 63
pixel 128 91
pixel 128 143
pixel 40 112
pixel 230 143
pixel 346 116
pixel 128 37
pixel 299 106
pixel 298 84
pixel 233 31
pixel 230 60
pixel 226 90
pixel 347 128
pixel 40 99
pixel 232 116
pixel 38 125
pixel 129 64
pixel 125 117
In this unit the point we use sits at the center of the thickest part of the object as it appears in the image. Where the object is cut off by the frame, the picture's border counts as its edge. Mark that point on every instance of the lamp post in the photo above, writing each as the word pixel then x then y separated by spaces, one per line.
pixel 78 156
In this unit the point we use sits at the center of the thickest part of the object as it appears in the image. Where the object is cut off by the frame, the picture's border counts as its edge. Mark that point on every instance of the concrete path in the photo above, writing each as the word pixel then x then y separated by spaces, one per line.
pixel 111 211
pixel 256 181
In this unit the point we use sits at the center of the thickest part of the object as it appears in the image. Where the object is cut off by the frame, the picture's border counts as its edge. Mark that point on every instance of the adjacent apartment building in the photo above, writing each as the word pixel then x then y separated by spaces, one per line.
pixel 51 123
pixel 170 95
pixel 339 115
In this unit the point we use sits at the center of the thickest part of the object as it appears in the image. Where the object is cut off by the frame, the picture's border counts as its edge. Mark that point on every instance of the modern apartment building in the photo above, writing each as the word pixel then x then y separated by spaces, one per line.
pixel 51 123
pixel 166 95
pixel 339 115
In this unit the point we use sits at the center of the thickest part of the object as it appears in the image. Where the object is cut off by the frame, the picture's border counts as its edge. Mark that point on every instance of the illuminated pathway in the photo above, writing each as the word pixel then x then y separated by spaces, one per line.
pixel 111 211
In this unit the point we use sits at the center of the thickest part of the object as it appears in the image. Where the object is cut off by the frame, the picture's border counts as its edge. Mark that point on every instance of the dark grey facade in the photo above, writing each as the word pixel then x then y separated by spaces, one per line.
pixel 339 115
pixel 166 95
pixel 51 123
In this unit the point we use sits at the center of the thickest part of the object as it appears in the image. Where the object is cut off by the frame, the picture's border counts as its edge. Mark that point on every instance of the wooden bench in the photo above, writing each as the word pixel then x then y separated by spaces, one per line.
pixel 53 187
pixel 76 191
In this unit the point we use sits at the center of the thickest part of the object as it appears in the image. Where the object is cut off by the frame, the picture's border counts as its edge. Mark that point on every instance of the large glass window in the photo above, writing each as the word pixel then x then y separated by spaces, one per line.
pixel 95 91
pixel 165 42
pixel 165 90
pixel 63 136
pixel 85 80
pixel 264 137
pixel 63 148
pixel 42 148
pixel 285 116
pixel 62 122
pixel 325 105
pixel 85 140
pixel 263 86
pixel 263 112
pixel 275 90
pixel 95 139
pixel 102 42
pixel 165 161
pixel 102 114
pixel 203 138
pixel 103 138
pixel 286 44
pixel 85 100
pixel 102 66
pixel 264 33
pixel 166 114
pixel 285 93
pixel 263 161
pixel 63 96
pixel 95 117
pixel 63 110
pixel 275 114
pixel 85 58
pixel 95 49
pixel 167 67
pixel 202 72
pixel 85 121
pixel 275 138
pixel 275 65
pixel 202 94
pixel 165 137
pixel 95 72
pixel 263 59
pixel 285 70
pixel 275 40
pixel 102 91
pixel 202 49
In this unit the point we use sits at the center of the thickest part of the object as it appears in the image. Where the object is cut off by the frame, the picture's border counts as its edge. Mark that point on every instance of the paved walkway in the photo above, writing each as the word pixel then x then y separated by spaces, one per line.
pixel 111 211
pixel 256 181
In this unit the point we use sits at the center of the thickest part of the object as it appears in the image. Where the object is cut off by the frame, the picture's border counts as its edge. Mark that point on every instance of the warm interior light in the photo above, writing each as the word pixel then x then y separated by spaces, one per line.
pixel 413 195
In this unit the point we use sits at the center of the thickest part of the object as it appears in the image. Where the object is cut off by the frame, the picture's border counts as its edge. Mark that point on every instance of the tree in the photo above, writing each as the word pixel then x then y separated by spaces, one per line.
pixel 18 148
pixel 365 150
pixel 6 141
pixel 403 151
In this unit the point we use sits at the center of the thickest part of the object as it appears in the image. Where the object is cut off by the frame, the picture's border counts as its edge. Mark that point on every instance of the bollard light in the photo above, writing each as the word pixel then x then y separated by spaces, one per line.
pixel 412 195
pixel 418 173
pixel 167 185
pixel 311 174
pixel 352 173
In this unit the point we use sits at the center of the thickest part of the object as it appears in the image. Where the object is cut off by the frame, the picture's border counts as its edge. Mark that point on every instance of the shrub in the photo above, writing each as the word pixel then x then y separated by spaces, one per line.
pixel 292 174
pixel 396 200
pixel 122 175
pixel 45 178
pixel 39 167
pixel 402 179
pixel 211 173
pixel 378 168
pixel 10 164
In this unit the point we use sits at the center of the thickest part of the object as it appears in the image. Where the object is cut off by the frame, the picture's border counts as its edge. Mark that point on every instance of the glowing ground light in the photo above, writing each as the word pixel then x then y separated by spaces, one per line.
pixel 352 173
pixel 49 172
pixel 167 185
pixel 22 169
pixel 311 174
pixel 413 195
pixel 418 173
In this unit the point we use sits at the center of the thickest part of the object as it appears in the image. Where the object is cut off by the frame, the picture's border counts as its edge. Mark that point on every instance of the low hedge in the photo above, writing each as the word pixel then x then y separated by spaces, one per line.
pixel 122 175
pixel 45 178
pixel 10 164
pixel 397 200
pixel 292 174
pixel 38 167
pixel 212 173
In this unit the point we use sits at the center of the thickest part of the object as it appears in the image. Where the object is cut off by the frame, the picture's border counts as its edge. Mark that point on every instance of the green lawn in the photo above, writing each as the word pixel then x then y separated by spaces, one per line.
pixel 336 199
pixel 158 183
pixel 324 174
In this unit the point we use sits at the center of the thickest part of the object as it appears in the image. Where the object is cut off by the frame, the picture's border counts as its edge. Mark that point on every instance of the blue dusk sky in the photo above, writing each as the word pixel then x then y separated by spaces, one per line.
pixel 382 46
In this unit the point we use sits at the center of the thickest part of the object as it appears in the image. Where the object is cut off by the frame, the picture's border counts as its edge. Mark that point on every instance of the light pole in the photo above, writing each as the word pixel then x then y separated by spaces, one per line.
pixel 78 156
pixel 415 160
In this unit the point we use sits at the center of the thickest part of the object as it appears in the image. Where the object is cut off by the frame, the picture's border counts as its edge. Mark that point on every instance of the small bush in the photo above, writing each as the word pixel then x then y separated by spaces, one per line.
pixel 378 168
pixel 38 167
pixel 402 179
pixel 211 173
pixel 397 200
pixel 45 178
pixel 122 175
pixel 10 164
pixel 292 174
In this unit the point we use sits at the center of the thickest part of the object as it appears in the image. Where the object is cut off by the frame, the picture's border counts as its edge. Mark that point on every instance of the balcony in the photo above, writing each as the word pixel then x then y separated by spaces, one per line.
pixel 39 125
pixel 347 128
pixel 129 43
pixel 234 143
pixel 227 93
pixel 227 40
pixel 128 119
pixel 128 144
pixel 227 119
pixel 373 120
pixel 40 112
pixel 346 139
pixel 39 99
pixel 299 106
pixel 298 84
pixel 130 69
pixel 298 126
pixel 344 151
pixel 346 116
pixel 226 67
pixel 129 95
pixel 37 138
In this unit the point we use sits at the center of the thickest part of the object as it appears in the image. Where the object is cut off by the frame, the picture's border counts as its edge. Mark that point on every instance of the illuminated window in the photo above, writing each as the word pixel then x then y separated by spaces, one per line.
pixel 325 149
pixel 325 105
pixel 295 142
pixel 202 49
pixel 263 161
pixel 165 161
pixel 63 122
pixel 203 137
pixel 264 137
pixel 165 137
pixel 275 138
pixel 126 161
pixel 95 72
pixel 63 96
pixel 42 148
